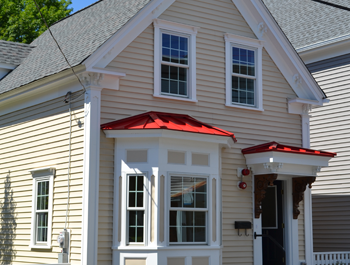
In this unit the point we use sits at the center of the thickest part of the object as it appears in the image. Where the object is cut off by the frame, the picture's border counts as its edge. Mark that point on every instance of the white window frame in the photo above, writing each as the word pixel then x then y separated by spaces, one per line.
pixel 178 29
pixel 232 40
pixel 39 175
pixel 144 209
pixel 207 210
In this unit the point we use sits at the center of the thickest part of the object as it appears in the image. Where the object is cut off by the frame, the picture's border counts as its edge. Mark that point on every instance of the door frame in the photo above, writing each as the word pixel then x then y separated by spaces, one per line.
pixel 291 242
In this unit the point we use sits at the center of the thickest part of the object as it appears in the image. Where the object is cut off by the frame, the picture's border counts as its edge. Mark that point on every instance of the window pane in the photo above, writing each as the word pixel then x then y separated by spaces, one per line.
pixel 166 55
pixel 175 42
pixel 174 73
pixel 140 199
pixel 183 88
pixel 42 226
pixel 175 56
pixel 187 226
pixel 140 234
pixel 132 183
pixel 165 86
pixel 184 44
pixel 174 80
pixel 166 40
pixel 132 234
pixel 173 87
pixel 182 74
pixel 140 183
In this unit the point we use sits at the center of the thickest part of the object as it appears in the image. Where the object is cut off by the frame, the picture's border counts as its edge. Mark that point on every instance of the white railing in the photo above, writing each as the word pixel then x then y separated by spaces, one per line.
pixel 331 258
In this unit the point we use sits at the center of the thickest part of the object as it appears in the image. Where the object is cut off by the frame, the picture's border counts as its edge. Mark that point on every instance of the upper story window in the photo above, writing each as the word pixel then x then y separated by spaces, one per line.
pixel 243 72
pixel 174 60
pixel 42 207
pixel 188 210
pixel 175 65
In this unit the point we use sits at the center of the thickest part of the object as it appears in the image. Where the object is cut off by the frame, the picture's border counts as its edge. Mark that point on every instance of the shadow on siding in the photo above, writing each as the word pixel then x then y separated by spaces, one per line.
pixel 8 224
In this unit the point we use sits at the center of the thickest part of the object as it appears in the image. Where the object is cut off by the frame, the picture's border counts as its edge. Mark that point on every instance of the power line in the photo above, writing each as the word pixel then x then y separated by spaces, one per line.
pixel 331 4
pixel 47 26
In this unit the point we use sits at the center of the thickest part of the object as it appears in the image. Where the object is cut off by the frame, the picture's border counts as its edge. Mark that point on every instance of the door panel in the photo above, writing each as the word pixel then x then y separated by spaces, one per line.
pixel 273 225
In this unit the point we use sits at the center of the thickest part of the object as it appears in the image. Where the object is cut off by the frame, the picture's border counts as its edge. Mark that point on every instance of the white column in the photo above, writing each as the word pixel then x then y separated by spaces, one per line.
pixel 305 117
pixel 91 168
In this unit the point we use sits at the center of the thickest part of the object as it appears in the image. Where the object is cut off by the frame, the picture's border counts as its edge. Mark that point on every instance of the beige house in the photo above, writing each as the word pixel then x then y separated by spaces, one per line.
pixel 139 156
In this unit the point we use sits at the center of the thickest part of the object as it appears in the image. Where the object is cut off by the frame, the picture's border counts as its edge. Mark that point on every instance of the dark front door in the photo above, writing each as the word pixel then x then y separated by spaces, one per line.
pixel 273 225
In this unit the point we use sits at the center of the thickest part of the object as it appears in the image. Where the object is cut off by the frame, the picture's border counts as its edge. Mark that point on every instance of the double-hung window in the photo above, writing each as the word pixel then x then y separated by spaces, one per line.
pixel 136 209
pixel 42 207
pixel 188 210
pixel 175 64
pixel 243 72
pixel 174 60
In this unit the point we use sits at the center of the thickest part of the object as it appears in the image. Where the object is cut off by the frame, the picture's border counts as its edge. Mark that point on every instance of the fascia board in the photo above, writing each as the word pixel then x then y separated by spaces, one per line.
pixel 325 50
pixel 187 136
pixel 124 36
pixel 42 90
pixel 280 49
pixel 280 157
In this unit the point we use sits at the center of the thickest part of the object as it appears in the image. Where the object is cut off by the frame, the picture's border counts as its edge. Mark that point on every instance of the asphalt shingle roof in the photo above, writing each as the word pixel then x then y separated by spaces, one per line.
pixel 13 52
pixel 79 35
pixel 307 22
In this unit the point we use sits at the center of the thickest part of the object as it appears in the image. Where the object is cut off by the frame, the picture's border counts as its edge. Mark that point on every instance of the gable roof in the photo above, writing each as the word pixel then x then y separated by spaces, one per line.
pixel 167 121
pixel 79 35
pixel 309 23
pixel 276 147
pixel 13 52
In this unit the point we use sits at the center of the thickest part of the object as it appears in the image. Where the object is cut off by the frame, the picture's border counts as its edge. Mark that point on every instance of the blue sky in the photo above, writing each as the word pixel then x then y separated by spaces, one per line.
pixel 79 4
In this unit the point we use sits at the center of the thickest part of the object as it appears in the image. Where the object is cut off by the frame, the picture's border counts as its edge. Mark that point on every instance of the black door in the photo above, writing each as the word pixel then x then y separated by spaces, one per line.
pixel 273 226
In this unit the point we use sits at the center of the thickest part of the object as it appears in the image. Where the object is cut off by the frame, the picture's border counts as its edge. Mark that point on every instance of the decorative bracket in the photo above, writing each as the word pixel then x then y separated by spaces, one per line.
pixel 299 186
pixel 297 80
pixel 261 183
pixel 262 28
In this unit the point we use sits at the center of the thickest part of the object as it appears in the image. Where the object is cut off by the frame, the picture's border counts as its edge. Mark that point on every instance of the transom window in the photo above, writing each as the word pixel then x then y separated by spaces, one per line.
pixel 136 210
pixel 188 210
pixel 42 211
pixel 175 65
pixel 243 76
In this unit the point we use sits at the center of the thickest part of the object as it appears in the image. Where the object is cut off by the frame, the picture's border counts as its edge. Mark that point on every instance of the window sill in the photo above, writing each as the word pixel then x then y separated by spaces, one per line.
pixel 244 107
pixel 175 98
pixel 40 247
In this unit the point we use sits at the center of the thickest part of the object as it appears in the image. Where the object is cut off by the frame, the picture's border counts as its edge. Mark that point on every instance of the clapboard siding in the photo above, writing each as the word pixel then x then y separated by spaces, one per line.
pixel 301 231
pixel 330 130
pixel 215 18
pixel 37 137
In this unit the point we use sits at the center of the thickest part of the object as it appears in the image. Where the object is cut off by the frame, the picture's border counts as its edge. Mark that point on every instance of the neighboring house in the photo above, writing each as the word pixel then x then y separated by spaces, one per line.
pixel 180 97
pixel 320 33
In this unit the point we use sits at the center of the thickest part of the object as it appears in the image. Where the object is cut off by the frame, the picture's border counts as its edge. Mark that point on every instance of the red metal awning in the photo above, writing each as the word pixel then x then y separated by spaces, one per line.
pixel 168 121
pixel 276 147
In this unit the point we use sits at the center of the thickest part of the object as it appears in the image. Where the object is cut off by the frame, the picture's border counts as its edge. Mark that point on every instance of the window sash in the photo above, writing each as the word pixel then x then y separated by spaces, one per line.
pixel 136 209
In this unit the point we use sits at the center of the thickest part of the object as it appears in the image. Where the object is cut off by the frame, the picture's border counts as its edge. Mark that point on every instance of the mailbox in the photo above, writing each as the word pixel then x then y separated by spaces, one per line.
pixel 243 225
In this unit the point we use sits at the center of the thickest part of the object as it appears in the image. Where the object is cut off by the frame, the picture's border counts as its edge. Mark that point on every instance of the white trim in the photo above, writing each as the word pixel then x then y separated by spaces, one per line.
pixel 327 42
pixel 176 28
pixel 42 174
pixel 232 40
pixel 91 174
pixel 308 229
pixel 279 48
pixel 223 140
pixel 175 98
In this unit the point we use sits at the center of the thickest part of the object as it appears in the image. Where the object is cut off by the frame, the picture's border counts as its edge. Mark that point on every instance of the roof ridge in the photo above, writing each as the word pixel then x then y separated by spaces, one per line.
pixel 18 43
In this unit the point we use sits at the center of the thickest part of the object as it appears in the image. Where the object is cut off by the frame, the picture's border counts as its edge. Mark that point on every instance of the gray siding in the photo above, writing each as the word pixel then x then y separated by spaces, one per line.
pixel 330 130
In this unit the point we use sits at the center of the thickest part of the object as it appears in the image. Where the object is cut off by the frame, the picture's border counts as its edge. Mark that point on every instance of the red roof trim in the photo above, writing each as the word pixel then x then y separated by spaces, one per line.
pixel 169 121
pixel 276 147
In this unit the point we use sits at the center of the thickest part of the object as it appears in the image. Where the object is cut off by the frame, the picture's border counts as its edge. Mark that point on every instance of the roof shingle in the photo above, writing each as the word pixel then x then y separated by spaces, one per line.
pixel 79 35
